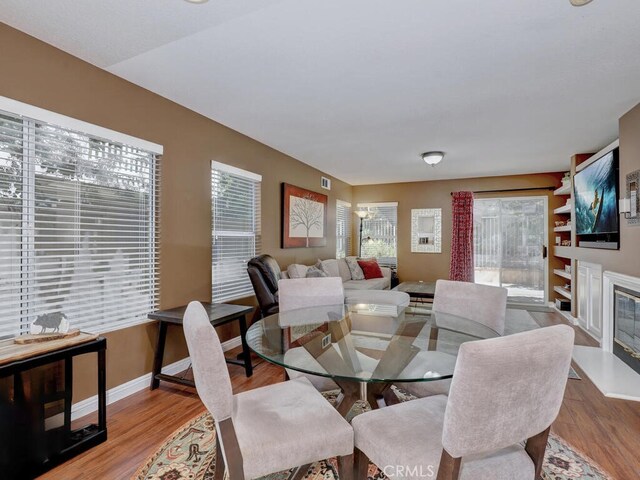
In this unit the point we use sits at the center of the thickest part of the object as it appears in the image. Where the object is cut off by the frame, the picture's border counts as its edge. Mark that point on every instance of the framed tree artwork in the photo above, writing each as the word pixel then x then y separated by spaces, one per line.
pixel 304 218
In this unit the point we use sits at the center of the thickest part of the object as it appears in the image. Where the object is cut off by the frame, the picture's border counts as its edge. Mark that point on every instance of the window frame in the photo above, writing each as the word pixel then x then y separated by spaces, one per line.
pixel 244 289
pixel 34 119
pixel 343 220
pixel 387 261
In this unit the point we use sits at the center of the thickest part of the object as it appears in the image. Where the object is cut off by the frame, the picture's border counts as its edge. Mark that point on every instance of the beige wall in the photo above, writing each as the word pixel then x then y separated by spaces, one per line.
pixel 627 259
pixel 41 75
pixel 437 194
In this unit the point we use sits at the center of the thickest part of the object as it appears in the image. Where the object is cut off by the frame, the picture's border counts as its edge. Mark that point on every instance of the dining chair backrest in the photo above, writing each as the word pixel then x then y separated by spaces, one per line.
pixel 481 303
pixel 297 293
pixel 506 390
pixel 209 367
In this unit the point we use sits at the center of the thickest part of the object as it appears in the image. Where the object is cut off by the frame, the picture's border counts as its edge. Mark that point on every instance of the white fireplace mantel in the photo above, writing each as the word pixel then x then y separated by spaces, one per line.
pixel 609 282
pixel 610 375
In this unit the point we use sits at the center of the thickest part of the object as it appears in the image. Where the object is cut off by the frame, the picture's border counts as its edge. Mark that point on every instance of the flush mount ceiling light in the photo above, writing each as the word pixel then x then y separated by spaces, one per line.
pixel 432 158
pixel 196 1
pixel 579 3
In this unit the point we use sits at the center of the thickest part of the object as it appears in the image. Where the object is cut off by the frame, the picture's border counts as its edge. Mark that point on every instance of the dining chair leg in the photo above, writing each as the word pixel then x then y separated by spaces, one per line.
pixel 449 467
pixel 219 473
pixel 301 472
pixel 536 447
pixel 361 465
pixel 345 467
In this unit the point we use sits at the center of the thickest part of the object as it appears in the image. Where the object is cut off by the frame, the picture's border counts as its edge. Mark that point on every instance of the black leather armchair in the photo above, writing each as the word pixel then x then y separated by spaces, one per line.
pixel 264 273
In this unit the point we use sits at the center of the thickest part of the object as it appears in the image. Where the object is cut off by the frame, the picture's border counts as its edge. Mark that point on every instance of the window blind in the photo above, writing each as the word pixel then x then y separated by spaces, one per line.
pixel 78 228
pixel 236 230
pixel 343 229
pixel 379 232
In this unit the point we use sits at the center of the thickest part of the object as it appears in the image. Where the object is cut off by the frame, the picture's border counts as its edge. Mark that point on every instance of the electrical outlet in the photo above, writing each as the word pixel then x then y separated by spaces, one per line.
pixel 326 341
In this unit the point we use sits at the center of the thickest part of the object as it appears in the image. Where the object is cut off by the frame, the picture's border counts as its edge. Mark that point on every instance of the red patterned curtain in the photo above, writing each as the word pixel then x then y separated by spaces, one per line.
pixel 461 268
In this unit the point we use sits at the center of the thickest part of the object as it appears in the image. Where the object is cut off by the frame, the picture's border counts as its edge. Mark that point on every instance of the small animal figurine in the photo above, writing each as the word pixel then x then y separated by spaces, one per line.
pixel 50 320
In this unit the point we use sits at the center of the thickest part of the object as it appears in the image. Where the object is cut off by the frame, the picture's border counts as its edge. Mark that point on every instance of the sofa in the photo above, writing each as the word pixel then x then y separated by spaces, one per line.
pixel 340 268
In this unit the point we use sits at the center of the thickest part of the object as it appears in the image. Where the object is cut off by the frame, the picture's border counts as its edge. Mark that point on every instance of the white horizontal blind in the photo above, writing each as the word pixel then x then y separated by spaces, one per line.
pixel 78 228
pixel 379 232
pixel 343 229
pixel 236 230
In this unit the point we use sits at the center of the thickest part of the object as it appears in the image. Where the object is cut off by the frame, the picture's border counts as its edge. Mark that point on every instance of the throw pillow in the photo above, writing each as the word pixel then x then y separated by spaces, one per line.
pixel 354 268
pixel 297 271
pixel 315 272
pixel 370 268
pixel 343 268
pixel 330 267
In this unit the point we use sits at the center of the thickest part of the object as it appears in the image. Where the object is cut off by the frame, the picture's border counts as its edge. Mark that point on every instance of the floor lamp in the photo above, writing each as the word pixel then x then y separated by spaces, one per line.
pixel 362 214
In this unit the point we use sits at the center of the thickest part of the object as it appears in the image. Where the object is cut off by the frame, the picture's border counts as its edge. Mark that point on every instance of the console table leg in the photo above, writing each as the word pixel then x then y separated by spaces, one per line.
pixel 102 390
pixel 159 355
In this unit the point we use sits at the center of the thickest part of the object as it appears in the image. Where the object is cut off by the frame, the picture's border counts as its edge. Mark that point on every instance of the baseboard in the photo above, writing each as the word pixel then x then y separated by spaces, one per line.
pixel 567 315
pixel 90 405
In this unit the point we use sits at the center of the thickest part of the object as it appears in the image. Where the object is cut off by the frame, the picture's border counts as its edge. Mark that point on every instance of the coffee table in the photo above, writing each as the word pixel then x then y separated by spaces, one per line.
pixel 365 348
pixel 420 292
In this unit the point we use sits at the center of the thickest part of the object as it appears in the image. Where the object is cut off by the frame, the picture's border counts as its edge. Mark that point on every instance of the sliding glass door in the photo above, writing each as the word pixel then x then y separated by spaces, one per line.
pixel 510 235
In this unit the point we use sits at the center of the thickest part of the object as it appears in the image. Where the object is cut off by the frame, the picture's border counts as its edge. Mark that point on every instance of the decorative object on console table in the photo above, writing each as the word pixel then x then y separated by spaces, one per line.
pixel 426 230
pixel 304 218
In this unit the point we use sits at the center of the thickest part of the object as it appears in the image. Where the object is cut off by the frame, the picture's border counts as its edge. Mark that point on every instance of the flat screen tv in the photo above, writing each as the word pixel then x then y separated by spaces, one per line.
pixel 596 201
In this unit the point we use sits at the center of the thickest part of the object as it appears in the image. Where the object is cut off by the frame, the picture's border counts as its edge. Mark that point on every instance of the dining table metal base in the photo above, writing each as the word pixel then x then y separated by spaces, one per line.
pixel 377 395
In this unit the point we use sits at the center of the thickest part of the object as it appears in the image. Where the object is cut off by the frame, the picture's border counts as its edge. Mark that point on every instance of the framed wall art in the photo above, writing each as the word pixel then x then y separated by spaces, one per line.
pixel 304 218
pixel 426 230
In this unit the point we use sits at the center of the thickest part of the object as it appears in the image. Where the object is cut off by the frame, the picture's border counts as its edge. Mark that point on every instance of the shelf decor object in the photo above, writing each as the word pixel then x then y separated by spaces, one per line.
pixel 633 194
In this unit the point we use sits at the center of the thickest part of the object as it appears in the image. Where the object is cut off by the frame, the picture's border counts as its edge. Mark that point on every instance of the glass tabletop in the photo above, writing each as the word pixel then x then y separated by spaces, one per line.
pixel 365 342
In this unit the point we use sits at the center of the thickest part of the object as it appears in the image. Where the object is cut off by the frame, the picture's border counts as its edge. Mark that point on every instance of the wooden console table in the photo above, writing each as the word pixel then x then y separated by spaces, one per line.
pixel 34 439
pixel 219 314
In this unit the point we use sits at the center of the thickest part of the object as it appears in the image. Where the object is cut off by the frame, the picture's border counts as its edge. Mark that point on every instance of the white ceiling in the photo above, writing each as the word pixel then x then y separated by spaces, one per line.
pixel 359 88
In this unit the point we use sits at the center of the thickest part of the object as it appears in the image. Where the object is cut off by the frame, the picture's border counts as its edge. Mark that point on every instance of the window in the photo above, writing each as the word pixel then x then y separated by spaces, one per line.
pixel 343 229
pixel 379 232
pixel 78 224
pixel 236 230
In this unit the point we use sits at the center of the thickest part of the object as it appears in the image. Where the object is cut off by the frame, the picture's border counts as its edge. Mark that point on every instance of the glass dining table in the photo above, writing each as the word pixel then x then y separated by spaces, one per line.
pixel 365 348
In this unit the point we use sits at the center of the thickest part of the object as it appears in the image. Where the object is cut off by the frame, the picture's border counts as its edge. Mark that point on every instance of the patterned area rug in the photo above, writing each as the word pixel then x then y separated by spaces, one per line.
pixel 190 454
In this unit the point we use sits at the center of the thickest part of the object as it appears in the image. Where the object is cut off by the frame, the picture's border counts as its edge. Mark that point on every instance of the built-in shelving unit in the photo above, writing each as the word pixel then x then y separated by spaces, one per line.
pixel 565 209
pixel 564 231
pixel 562 273
pixel 563 291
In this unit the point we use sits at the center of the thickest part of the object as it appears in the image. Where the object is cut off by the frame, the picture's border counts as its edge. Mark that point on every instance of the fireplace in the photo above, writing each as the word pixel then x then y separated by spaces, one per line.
pixel 626 326
pixel 614 368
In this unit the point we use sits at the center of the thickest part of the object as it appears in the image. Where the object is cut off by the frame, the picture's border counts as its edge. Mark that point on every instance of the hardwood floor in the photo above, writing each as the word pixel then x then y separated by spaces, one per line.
pixel 607 430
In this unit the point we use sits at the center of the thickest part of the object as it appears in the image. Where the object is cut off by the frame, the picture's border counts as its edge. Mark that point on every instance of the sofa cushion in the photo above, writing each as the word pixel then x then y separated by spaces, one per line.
pixel 297 271
pixel 330 267
pixel 315 272
pixel 343 268
pixel 354 268
pixel 370 268
pixel 373 284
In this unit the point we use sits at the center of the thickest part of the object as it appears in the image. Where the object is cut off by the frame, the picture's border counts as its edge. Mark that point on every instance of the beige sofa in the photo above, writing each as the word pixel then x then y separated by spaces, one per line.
pixel 339 268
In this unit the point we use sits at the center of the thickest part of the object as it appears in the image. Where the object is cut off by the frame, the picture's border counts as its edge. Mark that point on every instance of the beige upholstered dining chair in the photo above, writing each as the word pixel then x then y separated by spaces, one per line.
pixel 484 304
pixel 269 429
pixel 504 391
pixel 298 293
pixel 481 303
